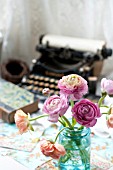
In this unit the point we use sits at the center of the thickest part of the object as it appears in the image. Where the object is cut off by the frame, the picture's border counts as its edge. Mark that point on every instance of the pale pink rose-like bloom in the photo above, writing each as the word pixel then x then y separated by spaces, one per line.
pixel 86 113
pixel 110 119
pixel 107 86
pixel 21 120
pixel 55 106
pixel 50 149
pixel 73 86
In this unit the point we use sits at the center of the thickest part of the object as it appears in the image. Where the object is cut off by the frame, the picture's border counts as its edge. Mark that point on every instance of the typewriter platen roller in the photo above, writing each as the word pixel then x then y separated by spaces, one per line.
pixel 61 55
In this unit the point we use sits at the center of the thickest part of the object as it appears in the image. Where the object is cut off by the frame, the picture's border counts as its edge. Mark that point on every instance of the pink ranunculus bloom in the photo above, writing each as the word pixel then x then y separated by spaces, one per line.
pixel 50 149
pixel 107 86
pixel 55 106
pixel 73 86
pixel 86 112
pixel 21 120
pixel 110 119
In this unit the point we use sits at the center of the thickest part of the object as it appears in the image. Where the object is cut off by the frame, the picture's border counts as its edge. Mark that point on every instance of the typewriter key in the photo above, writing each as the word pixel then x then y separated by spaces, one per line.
pixel 56 87
pixel 56 81
pixel 41 84
pixel 46 84
pixel 52 80
pixel 52 86
pixel 31 76
pixel 35 88
pixel 36 77
pixel 30 81
pixel 46 79
pixel 36 83
pixel 29 87
pixel 41 78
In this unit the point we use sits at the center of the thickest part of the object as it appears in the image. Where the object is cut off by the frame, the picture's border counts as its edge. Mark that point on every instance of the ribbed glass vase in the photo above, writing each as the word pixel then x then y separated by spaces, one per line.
pixel 77 144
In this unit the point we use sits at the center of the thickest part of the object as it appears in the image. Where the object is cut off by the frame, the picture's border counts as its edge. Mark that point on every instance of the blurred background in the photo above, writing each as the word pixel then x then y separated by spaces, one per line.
pixel 22 23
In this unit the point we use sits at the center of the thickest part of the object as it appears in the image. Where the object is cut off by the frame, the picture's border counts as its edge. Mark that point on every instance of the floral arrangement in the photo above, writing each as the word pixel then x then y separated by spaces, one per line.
pixel 84 112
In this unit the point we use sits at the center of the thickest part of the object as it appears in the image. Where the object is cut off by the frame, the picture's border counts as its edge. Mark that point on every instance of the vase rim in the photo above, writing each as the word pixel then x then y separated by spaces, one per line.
pixel 77 134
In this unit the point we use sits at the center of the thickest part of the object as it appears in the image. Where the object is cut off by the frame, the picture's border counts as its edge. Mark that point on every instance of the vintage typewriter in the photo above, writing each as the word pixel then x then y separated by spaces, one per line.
pixel 59 56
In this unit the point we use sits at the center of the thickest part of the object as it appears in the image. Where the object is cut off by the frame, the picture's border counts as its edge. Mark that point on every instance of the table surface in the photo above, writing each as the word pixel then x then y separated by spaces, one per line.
pixel 25 148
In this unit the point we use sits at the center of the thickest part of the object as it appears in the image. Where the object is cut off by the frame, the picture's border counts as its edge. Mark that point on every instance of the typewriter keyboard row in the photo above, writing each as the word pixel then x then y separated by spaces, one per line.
pixel 36 83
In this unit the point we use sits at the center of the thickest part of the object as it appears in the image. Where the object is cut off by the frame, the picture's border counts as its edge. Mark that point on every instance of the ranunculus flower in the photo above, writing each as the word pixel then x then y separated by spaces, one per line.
pixel 110 119
pixel 50 149
pixel 73 86
pixel 21 120
pixel 107 86
pixel 86 112
pixel 55 106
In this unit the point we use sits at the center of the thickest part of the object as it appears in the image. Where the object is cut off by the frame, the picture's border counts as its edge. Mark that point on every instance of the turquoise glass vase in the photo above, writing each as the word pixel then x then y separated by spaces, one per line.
pixel 77 145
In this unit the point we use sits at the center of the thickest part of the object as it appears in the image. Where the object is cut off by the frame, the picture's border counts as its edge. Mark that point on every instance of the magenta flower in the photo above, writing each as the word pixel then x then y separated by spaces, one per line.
pixel 73 86
pixel 107 86
pixel 86 112
pixel 55 106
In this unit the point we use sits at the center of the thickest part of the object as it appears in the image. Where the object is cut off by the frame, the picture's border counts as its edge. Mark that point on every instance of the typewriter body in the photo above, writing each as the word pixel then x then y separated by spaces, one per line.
pixel 60 56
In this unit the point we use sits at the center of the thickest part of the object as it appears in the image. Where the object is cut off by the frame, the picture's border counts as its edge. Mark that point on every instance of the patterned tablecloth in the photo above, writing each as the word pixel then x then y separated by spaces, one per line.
pixel 25 148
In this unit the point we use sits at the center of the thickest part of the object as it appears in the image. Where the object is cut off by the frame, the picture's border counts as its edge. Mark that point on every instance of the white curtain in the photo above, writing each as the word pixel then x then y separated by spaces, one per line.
pixel 16 30
pixel 80 18
pixel 23 21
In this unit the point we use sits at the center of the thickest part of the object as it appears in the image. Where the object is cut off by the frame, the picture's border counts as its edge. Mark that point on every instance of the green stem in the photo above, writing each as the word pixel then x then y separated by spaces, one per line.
pixel 104 106
pixel 68 123
pixel 59 133
pixel 72 103
pixel 81 127
pixel 38 117
pixel 61 122
pixel 85 157
pixel 101 99
pixel 105 113
pixel 73 119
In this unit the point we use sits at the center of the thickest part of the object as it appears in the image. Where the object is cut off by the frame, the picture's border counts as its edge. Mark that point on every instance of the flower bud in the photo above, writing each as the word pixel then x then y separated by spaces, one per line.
pixel 46 91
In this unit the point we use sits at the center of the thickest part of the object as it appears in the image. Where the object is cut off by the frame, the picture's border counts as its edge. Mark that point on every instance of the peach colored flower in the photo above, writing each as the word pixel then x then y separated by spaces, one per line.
pixel 110 119
pixel 21 120
pixel 50 149
pixel 59 151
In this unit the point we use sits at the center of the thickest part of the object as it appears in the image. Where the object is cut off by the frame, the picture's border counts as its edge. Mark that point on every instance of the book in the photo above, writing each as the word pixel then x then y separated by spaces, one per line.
pixel 12 98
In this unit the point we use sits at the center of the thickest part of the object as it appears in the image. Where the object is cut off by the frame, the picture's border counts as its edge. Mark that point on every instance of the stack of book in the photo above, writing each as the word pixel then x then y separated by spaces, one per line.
pixel 12 98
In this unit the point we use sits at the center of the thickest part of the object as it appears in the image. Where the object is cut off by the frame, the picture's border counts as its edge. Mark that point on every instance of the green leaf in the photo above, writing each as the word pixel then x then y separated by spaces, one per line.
pixel 31 127
pixel 73 121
